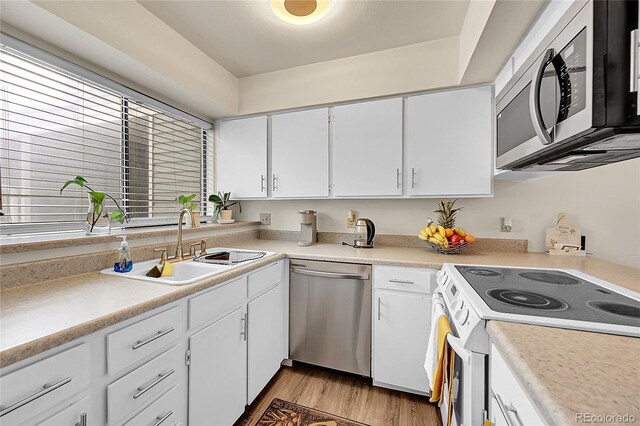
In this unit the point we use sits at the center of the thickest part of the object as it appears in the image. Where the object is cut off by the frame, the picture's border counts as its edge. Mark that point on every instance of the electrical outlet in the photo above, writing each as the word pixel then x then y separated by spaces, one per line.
pixel 265 218
pixel 351 218
pixel 505 224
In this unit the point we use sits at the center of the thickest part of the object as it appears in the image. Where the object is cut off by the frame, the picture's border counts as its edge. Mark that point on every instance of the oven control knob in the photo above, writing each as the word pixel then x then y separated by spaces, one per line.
pixel 457 305
pixel 462 316
pixel 441 277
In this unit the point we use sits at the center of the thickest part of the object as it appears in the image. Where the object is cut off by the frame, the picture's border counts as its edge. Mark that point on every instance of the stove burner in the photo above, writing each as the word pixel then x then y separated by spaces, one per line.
pixel 526 299
pixel 615 308
pixel 550 278
pixel 484 272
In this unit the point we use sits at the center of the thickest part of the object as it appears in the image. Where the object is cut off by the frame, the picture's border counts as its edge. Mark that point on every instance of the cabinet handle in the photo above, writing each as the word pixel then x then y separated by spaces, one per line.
pixel 506 409
pixel 401 281
pixel 262 183
pixel 144 389
pixel 83 420
pixel 46 388
pixel 159 334
pixel 397 178
pixel 274 182
pixel 243 321
pixel 378 309
pixel 413 177
pixel 160 419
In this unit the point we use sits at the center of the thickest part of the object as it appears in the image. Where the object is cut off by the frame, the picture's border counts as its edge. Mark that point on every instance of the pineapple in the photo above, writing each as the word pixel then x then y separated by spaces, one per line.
pixel 447 214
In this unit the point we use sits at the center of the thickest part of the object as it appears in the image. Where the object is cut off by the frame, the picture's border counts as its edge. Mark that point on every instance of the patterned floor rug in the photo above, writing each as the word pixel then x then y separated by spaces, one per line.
pixel 284 413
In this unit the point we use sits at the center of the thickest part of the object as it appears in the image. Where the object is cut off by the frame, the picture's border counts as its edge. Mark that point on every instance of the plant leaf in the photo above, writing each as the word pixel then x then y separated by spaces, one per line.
pixel 118 215
pixel 79 180
pixel 97 197
pixel 215 199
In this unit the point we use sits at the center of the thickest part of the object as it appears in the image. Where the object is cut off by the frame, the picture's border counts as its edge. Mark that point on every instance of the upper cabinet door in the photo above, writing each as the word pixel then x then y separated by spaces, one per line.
pixel 300 154
pixel 449 143
pixel 242 157
pixel 367 149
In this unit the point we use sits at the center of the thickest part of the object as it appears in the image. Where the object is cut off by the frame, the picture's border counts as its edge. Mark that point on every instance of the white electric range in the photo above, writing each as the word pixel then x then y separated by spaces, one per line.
pixel 473 294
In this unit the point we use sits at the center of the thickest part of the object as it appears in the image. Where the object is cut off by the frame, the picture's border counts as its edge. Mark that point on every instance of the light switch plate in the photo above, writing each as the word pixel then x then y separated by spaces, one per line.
pixel 351 218
pixel 265 218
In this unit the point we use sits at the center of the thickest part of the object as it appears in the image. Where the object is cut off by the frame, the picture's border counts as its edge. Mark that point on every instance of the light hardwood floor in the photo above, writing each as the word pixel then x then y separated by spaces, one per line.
pixel 345 396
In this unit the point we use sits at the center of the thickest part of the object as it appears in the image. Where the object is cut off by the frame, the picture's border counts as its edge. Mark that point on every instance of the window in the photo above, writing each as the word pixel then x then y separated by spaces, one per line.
pixel 55 125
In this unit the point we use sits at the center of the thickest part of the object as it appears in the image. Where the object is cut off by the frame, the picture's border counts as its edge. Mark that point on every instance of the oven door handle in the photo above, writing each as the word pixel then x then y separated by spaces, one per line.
pixel 458 348
pixel 534 100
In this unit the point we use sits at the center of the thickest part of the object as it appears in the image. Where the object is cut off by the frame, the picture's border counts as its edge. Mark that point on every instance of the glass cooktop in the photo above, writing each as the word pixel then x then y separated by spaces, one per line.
pixel 550 293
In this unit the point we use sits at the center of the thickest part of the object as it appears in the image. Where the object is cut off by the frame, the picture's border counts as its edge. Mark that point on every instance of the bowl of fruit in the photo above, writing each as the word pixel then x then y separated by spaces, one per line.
pixel 446 237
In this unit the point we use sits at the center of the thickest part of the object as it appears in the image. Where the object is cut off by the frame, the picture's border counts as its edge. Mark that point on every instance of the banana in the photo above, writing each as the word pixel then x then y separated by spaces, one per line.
pixel 423 237
pixel 439 238
pixel 433 228
pixel 434 240
pixel 460 231
pixel 441 231
pixel 427 231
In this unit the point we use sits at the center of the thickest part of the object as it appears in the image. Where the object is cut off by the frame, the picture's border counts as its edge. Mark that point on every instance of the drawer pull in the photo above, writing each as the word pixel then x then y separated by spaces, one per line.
pixel 159 334
pixel 401 281
pixel 47 388
pixel 83 420
pixel 144 389
pixel 506 409
pixel 160 419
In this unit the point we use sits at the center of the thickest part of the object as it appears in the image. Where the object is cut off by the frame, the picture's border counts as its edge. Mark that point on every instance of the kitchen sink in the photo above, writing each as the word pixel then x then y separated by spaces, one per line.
pixel 214 262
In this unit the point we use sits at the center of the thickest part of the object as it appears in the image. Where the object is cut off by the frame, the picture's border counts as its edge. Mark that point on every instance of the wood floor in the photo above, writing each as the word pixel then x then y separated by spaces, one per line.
pixel 345 396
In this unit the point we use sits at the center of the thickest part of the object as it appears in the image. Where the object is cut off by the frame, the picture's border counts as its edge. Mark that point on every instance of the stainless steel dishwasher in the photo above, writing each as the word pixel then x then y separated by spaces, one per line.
pixel 330 315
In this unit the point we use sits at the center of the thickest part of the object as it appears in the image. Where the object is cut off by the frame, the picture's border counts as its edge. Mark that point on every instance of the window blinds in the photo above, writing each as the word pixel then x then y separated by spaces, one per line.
pixel 55 125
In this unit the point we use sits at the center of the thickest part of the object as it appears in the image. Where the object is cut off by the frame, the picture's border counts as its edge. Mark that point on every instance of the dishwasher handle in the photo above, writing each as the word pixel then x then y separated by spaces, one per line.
pixel 336 275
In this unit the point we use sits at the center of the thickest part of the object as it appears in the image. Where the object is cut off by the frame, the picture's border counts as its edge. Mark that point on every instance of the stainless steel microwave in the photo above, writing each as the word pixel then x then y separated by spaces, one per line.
pixel 575 106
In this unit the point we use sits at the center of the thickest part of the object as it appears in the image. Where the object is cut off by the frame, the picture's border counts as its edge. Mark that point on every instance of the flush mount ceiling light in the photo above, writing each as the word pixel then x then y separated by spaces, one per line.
pixel 300 12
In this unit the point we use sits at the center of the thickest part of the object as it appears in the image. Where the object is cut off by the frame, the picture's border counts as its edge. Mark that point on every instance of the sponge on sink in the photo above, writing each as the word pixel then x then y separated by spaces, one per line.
pixel 167 270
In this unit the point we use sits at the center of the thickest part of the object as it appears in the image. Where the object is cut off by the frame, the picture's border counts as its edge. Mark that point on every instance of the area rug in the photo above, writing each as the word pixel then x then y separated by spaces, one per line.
pixel 284 413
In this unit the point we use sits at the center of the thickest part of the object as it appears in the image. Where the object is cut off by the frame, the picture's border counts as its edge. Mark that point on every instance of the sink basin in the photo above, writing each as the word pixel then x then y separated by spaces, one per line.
pixel 190 271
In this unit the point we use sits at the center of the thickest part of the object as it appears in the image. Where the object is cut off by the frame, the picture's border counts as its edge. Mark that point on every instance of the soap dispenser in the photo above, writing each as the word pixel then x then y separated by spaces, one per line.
pixel 124 263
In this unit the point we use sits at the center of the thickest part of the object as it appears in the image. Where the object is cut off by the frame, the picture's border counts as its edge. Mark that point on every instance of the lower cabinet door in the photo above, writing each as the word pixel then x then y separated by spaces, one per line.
pixel 77 414
pixel 218 371
pixel 266 339
pixel 402 325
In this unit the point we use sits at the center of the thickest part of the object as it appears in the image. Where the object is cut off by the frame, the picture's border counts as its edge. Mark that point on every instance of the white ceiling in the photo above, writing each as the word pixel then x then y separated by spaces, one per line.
pixel 246 37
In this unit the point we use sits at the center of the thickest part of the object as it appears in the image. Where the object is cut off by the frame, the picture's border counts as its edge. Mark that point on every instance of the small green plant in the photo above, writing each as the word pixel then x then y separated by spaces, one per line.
pixel 222 202
pixel 185 201
pixel 97 199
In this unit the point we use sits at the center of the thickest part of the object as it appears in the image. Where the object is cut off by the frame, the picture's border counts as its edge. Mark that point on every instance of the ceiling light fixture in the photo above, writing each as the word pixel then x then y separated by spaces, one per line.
pixel 300 12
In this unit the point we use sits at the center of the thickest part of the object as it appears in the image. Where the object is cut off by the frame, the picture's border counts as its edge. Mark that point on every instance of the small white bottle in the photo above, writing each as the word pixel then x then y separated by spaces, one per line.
pixel 124 263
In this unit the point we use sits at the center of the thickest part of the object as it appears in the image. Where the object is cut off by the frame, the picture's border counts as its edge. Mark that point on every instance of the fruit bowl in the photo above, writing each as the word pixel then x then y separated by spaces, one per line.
pixel 451 249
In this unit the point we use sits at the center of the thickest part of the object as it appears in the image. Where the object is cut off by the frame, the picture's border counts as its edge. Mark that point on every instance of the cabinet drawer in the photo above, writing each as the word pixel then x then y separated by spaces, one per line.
pixel 506 391
pixel 264 279
pixel 133 343
pixel 416 280
pixel 137 388
pixel 163 411
pixel 216 302
pixel 35 388
pixel 72 415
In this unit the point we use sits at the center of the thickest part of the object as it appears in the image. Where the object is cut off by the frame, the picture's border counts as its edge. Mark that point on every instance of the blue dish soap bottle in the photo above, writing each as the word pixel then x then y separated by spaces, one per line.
pixel 124 263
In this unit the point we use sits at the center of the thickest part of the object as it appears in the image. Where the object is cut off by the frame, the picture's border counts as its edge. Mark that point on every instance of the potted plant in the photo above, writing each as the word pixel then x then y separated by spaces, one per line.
pixel 223 205
pixel 98 220
pixel 185 202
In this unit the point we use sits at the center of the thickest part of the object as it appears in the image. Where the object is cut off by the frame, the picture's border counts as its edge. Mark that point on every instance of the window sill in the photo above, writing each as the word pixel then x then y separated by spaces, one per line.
pixel 20 244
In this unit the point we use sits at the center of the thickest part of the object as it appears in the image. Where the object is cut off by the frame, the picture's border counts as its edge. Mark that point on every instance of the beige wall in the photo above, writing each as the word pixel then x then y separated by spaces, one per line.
pixel 411 68
pixel 604 202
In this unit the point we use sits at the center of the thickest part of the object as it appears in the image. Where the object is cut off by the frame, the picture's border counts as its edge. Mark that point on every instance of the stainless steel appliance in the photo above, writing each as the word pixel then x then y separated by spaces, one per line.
pixel 473 294
pixel 573 105
pixel 365 232
pixel 330 315
pixel 308 230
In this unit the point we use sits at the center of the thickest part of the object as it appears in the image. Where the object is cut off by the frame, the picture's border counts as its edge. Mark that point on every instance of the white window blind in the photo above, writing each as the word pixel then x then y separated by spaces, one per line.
pixel 55 125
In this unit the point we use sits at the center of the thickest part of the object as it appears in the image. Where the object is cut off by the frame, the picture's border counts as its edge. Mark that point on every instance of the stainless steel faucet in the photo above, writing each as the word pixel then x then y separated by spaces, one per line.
pixel 179 253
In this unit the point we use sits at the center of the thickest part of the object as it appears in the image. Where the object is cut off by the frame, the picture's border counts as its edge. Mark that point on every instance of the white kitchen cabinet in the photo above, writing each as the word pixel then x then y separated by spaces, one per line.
pixel 400 341
pixel 266 339
pixel 449 143
pixel 218 371
pixel 367 149
pixel 242 157
pixel 509 402
pixel 300 154
pixel 78 414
